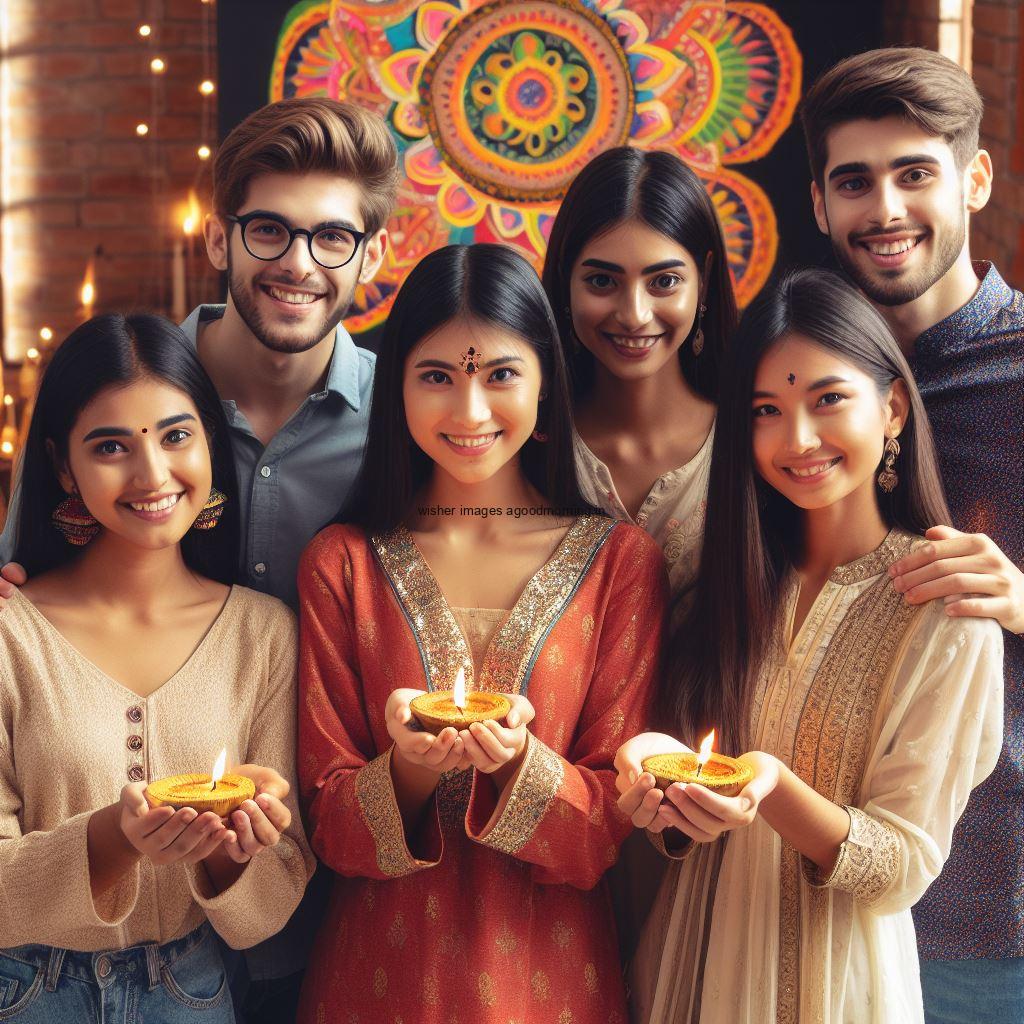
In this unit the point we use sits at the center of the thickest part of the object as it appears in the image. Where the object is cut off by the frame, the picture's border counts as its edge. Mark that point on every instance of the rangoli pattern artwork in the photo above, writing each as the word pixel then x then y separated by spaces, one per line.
pixel 496 106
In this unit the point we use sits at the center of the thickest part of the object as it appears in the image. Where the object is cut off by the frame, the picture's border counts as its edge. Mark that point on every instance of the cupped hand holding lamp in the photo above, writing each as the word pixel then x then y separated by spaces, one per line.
pixel 813 825
pixel 220 820
pixel 493 743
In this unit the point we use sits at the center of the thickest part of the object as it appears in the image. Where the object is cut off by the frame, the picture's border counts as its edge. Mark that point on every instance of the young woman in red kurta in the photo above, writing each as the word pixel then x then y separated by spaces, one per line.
pixel 470 865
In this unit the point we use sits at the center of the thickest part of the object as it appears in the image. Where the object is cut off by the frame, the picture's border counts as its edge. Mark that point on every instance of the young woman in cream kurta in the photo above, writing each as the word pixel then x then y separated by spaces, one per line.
pixel 636 275
pixel 868 720
pixel 123 661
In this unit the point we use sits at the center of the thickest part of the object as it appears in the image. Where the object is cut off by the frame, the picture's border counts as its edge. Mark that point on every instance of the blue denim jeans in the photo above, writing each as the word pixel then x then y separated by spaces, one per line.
pixel 179 982
pixel 973 991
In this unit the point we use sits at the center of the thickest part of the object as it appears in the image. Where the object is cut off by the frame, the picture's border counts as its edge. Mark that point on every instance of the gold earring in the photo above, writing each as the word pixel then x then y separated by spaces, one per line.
pixel 888 479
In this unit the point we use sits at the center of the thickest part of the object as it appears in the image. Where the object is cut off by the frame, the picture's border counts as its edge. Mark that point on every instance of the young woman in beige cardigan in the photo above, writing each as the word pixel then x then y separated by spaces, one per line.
pixel 129 657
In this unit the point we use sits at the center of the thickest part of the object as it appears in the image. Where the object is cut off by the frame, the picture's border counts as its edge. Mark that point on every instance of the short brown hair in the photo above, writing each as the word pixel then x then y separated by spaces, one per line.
pixel 313 133
pixel 926 88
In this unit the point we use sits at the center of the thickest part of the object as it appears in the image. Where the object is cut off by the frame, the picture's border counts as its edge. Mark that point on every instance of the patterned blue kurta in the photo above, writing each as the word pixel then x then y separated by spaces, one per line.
pixel 970 369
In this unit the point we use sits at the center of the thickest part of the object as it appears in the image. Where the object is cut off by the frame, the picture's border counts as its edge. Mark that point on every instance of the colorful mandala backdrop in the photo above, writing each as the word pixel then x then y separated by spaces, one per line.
pixel 496 106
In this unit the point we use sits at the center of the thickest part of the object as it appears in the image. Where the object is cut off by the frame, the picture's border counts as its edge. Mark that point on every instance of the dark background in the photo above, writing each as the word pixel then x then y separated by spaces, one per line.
pixel 824 30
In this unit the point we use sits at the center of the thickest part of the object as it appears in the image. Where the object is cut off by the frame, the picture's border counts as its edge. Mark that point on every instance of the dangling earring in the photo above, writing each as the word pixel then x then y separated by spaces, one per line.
pixel 212 510
pixel 698 337
pixel 888 479
pixel 75 521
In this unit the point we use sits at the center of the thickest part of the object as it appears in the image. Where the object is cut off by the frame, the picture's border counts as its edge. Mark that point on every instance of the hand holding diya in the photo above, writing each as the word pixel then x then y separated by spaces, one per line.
pixel 457 709
pixel 723 775
pixel 215 792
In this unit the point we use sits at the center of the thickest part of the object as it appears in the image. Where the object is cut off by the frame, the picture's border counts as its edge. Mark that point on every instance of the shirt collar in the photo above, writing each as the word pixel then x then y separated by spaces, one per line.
pixel 342 374
pixel 969 320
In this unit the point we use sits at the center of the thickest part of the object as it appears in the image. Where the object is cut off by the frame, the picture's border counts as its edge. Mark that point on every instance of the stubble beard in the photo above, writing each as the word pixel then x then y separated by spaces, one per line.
pixel 887 288
pixel 244 299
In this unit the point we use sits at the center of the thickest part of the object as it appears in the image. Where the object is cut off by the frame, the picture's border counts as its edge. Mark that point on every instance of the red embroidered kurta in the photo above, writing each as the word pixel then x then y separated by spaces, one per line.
pixel 478 925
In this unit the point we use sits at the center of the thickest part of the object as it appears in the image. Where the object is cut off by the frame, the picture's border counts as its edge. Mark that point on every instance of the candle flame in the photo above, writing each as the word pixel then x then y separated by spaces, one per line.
pixel 459 690
pixel 88 292
pixel 218 768
pixel 705 749
pixel 193 215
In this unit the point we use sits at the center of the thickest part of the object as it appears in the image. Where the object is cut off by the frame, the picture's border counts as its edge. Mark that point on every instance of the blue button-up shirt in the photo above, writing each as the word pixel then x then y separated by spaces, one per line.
pixel 295 486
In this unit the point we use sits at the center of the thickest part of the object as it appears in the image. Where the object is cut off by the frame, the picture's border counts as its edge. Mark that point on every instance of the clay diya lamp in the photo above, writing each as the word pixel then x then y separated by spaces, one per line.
pixel 720 774
pixel 215 792
pixel 458 709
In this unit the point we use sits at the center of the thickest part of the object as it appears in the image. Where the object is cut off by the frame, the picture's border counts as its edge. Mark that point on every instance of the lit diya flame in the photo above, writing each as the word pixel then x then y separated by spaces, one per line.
pixel 705 750
pixel 218 769
pixel 459 691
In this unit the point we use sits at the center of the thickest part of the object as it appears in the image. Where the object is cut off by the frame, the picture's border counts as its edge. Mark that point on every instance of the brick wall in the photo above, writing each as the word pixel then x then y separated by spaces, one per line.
pixel 79 183
pixel 995 57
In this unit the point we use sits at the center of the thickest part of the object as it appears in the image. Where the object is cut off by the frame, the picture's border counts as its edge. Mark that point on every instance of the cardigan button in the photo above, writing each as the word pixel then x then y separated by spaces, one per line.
pixel 134 742
pixel 135 773
pixel 134 714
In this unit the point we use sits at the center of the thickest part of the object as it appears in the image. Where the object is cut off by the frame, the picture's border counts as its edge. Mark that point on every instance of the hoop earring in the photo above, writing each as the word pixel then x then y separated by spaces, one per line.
pixel 212 511
pixel 75 521
pixel 888 479
pixel 698 337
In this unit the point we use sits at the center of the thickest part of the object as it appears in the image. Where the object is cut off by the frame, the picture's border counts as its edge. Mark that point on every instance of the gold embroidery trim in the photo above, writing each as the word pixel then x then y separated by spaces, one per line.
pixel 376 796
pixel 833 735
pixel 540 778
pixel 869 860
pixel 514 649
pixel 440 641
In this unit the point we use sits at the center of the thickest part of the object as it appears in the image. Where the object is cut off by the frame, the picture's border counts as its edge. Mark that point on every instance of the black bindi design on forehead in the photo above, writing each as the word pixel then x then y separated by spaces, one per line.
pixel 145 430
pixel 792 379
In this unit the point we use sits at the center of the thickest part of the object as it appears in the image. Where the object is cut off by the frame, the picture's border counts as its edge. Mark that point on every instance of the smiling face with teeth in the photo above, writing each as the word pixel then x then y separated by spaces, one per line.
pixel 634 294
pixel 819 442
pixel 291 304
pixel 139 457
pixel 895 207
pixel 472 425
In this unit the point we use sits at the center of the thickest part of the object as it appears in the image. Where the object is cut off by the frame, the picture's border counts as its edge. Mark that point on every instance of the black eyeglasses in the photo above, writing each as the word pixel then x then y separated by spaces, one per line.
pixel 269 238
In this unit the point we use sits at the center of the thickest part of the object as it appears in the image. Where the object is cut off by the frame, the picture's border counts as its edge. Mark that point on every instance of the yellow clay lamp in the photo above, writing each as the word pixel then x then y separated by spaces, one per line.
pixel 215 792
pixel 457 709
pixel 723 775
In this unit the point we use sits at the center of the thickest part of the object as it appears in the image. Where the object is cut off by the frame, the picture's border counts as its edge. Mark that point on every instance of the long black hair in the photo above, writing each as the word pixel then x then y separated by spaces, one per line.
pixel 107 351
pixel 753 535
pixel 493 285
pixel 658 189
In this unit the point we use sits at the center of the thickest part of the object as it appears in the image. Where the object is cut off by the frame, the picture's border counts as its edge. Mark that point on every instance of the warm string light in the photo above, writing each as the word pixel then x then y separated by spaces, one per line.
pixel 141 129
pixel 206 87
pixel 157 65
pixel 145 31
pixel 45 335
pixel 203 152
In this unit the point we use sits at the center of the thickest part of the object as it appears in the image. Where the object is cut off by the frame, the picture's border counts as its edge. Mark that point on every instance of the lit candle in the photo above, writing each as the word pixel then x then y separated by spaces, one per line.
pixel 458 709
pixel 723 775
pixel 215 792
pixel 88 291
pixel 9 434
pixel 28 375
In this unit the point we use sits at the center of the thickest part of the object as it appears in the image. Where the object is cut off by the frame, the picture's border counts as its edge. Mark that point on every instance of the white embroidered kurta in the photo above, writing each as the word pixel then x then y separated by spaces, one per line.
pixel 672 513
pixel 891 711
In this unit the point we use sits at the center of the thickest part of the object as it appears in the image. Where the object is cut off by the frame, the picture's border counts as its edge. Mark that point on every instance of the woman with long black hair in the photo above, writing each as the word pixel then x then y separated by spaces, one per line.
pixel 470 863
pixel 637 278
pixel 867 721
pixel 127 657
